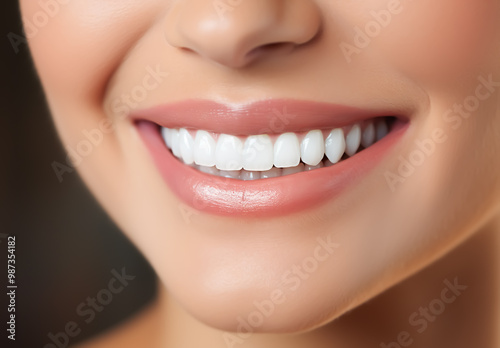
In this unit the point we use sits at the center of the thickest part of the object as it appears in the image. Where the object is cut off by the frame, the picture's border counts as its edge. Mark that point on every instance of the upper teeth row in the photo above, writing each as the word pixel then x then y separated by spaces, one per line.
pixel 261 153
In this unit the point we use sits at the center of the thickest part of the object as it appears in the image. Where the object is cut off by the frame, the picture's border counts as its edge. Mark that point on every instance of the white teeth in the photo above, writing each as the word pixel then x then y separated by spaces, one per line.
pixel 209 170
pixel 231 174
pixel 166 133
pixel 204 149
pixel 335 145
pixel 258 153
pixel 186 145
pixel 368 137
pixel 228 153
pixel 382 129
pixel 312 148
pixel 175 143
pixel 353 140
pixel 246 175
pixel 272 173
pixel 256 157
pixel 286 151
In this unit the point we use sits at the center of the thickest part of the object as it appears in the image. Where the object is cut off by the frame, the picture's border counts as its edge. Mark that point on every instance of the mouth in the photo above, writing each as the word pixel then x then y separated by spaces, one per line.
pixel 267 158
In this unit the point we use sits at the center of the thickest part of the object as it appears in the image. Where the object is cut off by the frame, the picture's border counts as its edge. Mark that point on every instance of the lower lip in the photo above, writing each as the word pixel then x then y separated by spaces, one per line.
pixel 266 197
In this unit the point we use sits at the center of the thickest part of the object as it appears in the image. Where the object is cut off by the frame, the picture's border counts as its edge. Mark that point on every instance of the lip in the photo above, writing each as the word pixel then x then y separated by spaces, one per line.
pixel 262 117
pixel 265 197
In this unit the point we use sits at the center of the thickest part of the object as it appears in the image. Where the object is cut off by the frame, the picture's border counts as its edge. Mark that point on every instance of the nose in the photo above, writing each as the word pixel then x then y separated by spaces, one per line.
pixel 235 33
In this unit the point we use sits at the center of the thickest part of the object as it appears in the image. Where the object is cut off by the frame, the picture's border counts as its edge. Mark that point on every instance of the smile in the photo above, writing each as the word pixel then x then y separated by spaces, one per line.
pixel 267 158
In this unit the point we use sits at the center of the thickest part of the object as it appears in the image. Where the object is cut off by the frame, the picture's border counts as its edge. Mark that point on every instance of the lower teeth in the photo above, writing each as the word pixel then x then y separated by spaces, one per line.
pixel 249 175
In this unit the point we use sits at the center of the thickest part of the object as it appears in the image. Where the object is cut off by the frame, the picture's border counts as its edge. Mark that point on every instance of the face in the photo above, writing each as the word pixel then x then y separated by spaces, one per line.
pixel 133 85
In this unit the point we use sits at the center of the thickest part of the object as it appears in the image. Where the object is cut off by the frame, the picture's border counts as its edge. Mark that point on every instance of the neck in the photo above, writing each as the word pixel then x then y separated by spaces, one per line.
pixel 418 312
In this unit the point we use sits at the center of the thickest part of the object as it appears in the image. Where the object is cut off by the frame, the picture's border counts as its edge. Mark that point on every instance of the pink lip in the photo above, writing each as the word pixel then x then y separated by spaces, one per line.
pixel 262 117
pixel 267 197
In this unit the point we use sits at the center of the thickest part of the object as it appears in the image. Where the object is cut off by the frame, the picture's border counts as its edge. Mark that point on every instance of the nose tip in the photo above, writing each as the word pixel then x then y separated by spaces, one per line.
pixel 237 35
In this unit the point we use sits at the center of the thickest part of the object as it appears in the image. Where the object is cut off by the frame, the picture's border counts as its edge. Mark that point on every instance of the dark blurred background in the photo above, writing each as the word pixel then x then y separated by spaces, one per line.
pixel 66 247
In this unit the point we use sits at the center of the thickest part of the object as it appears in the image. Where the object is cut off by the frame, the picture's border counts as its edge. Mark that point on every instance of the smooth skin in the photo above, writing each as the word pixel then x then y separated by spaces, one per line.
pixel 442 218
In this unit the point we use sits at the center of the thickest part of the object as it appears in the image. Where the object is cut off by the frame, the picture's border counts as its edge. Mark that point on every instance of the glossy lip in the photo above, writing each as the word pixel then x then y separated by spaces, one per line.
pixel 266 197
pixel 262 117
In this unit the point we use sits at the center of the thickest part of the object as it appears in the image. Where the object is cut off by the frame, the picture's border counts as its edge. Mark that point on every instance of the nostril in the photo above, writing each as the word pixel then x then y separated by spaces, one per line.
pixel 273 47
pixel 187 49
pixel 265 28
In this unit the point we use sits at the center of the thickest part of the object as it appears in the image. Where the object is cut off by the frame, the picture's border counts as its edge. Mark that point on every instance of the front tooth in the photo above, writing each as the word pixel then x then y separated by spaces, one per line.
pixel 271 173
pixel 312 148
pixel 228 152
pixel 353 139
pixel 368 136
pixel 382 129
pixel 293 170
pixel 166 133
pixel 204 149
pixel 335 145
pixel 186 145
pixel 175 143
pixel 258 153
pixel 286 151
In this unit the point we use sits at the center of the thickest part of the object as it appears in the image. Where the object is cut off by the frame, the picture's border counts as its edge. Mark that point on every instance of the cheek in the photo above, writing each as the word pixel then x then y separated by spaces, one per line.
pixel 78 48
pixel 440 40
pixel 75 54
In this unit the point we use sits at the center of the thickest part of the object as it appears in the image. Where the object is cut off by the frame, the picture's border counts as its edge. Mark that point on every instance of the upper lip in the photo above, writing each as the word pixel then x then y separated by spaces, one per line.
pixel 260 117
